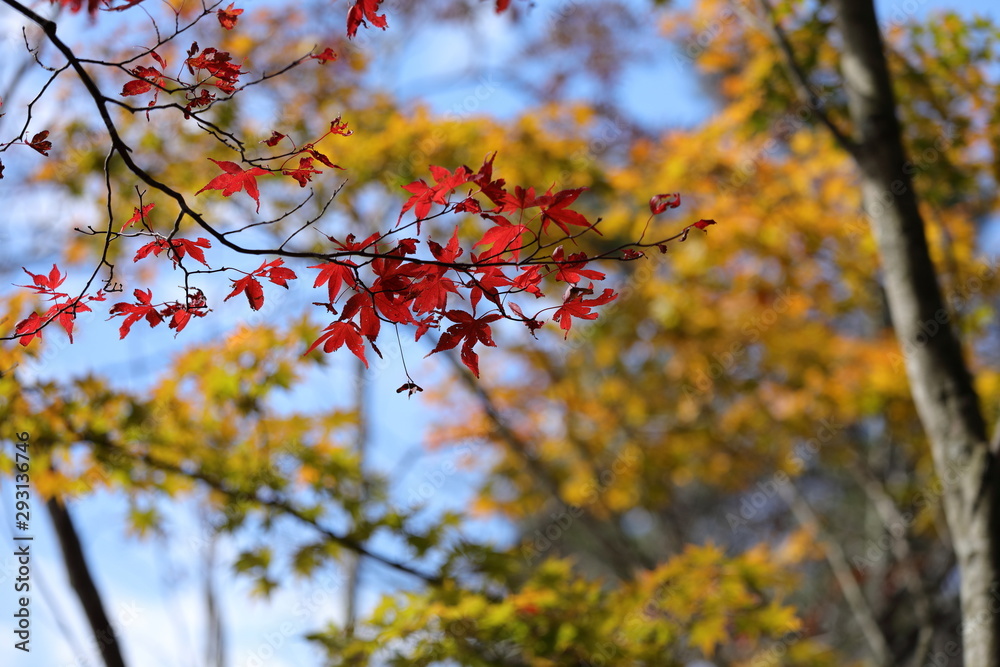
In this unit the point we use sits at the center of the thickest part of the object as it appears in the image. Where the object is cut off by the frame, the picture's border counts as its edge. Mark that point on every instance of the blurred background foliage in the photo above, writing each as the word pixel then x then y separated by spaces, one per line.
pixel 725 466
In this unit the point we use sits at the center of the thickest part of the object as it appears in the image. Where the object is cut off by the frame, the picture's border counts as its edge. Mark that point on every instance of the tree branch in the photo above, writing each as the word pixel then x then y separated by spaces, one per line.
pixel 837 560
pixel 798 76
pixel 890 516
pixel 621 562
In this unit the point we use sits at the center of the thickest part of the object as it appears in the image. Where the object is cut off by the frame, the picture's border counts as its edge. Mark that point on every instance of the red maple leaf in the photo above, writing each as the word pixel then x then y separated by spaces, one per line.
pixel 364 304
pixel 489 278
pixel 65 313
pixel 143 308
pixel 273 140
pixel 321 157
pixel 520 200
pixel 275 271
pixel 339 334
pixel 351 245
pixel 424 196
pixel 325 57
pixel 137 215
pixel 502 5
pixel 335 274
pixel 252 288
pixel 431 293
pixel 30 328
pixel 503 237
pixel 146 79
pixel 530 322
pixel 701 224
pixel 449 253
pixel 202 99
pixel 39 143
pixel 392 290
pixel 46 284
pixel 484 179
pixel 235 179
pixel 660 203
pixel 554 209
pixel 180 314
pixel 338 127
pixel 304 172
pixel 229 16
pixel 571 270
pixel 361 12
pixel 528 280
pixel 467 330
pixel 576 306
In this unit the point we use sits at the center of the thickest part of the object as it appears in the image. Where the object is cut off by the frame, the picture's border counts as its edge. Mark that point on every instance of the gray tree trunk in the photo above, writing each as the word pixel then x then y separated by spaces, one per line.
pixel 83 583
pixel 939 379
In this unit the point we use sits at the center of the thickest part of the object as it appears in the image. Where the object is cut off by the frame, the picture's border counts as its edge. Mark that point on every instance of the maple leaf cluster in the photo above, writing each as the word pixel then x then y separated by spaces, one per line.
pixel 179 314
pixel 420 290
pixel 77 5
pixel 400 281
pixel 363 12
pixel 210 66
pixel 235 178
pixel 461 289
pixel 217 64
pixel 63 310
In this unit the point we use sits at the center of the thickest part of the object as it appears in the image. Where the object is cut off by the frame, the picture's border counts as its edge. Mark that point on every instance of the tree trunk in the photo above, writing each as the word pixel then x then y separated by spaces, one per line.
pixel 83 584
pixel 939 379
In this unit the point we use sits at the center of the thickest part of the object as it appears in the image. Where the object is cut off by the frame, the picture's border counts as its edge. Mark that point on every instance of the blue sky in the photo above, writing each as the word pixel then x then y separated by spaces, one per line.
pixel 154 587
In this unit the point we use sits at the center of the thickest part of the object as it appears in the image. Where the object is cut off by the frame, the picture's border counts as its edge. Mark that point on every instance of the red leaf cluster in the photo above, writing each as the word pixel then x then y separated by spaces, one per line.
pixel 218 64
pixel 147 78
pixel 177 249
pixel 178 313
pixel 77 5
pixel 386 278
pixel 64 309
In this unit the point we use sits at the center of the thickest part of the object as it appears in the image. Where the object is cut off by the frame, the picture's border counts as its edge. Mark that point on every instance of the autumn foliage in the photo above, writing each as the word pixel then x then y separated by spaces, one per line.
pixel 481 276
pixel 626 451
